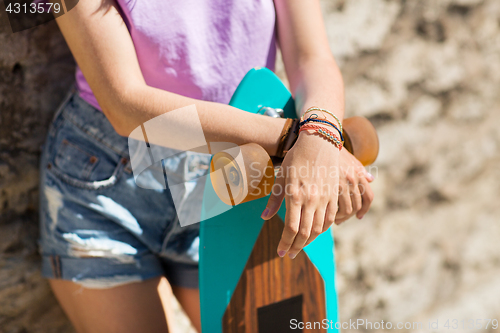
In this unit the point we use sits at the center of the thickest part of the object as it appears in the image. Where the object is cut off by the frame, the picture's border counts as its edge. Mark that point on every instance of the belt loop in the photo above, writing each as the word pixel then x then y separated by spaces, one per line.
pixel 58 266
pixel 65 101
pixel 55 262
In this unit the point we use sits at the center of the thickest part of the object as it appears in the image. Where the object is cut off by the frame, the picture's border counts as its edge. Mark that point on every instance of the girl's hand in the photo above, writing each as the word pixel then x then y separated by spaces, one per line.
pixel 309 181
pixel 355 193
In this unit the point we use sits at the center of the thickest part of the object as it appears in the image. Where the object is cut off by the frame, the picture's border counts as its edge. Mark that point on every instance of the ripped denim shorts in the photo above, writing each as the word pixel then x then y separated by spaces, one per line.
pixel 97 227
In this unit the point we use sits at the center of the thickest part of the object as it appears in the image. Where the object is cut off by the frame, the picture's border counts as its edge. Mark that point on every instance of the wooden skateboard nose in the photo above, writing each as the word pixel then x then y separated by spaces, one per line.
pixel 361 139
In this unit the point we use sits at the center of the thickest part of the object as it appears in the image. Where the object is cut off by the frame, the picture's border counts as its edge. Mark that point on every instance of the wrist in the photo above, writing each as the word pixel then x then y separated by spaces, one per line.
pixel 321 128
pixel 287 137
pixel 323 115
pixel 277 127
pixel 316 143
pixel 324 133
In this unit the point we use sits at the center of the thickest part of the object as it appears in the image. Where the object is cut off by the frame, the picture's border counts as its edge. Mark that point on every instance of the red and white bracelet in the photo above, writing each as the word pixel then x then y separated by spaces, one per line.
pixel 323 132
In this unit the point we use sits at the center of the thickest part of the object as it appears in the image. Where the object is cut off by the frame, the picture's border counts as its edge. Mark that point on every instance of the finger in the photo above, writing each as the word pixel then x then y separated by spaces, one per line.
pixel 331 215
pixel 369 177
pixel 355 198
pixel 367 198
pixel 306 221
pixel 276 198
pixel 292 222
pixel 317 225
pixel 342 220
pixel 344 199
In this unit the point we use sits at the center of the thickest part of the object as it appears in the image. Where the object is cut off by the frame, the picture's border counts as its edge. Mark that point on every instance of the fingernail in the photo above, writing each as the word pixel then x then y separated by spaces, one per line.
pixel 264 213
pixel 281 253
pixel 361 217
pixel 370 176
pixel 292 255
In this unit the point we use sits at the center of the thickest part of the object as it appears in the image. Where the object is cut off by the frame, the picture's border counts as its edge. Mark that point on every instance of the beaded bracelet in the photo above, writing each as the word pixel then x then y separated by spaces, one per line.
pixel 321 121
pixel 325 111
pixel 323 132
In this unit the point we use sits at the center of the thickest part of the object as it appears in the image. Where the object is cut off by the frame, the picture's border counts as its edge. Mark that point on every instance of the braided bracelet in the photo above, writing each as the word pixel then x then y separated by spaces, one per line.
pixel 323 132
pixel 325 111
pixel 321 121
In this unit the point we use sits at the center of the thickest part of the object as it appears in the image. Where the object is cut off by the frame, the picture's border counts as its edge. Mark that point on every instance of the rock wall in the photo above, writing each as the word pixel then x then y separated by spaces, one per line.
pixel 425 72
pixel 36 69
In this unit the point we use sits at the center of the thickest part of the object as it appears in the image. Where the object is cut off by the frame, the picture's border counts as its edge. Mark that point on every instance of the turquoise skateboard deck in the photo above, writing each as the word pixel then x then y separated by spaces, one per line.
pixel 228 234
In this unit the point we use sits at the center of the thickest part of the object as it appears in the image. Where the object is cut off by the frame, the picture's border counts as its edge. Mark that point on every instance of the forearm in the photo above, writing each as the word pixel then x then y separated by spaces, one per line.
pixel 314 77
pixel 318 82
pixel 220 123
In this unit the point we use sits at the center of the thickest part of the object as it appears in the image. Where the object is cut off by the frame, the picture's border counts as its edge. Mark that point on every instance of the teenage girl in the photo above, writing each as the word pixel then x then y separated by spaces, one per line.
pixel 109 246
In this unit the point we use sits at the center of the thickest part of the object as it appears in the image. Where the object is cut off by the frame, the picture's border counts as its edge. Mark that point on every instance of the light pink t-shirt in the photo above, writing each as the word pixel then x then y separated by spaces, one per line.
pixel 197 48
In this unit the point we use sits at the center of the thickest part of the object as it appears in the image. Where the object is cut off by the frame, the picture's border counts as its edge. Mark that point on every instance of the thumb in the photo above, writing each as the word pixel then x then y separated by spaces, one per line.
pixel 276 198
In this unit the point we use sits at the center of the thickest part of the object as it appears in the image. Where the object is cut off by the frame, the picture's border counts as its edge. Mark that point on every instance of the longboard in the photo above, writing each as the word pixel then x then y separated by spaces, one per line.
pixel 244 285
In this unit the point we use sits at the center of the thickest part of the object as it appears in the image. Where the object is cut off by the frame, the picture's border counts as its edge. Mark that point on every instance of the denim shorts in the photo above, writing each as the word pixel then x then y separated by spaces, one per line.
pixel 97 227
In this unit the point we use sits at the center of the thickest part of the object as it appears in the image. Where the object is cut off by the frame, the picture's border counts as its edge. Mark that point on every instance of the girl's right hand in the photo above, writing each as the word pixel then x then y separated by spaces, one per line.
pixel 355 193
pixel 308 180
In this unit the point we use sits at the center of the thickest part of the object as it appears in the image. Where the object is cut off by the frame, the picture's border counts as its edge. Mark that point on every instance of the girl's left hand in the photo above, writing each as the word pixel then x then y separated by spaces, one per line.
pixel 355 193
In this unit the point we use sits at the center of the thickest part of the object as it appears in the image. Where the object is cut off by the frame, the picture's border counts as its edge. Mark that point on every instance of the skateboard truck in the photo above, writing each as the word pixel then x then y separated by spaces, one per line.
pixel 271 112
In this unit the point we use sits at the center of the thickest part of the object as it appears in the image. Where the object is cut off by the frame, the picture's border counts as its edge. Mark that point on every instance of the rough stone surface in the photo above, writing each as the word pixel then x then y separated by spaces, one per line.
pixel 429 248
pixel 425 72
